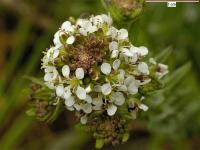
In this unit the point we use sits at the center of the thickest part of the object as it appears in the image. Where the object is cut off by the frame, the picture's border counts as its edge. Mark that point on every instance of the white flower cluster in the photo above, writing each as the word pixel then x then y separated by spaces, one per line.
pixel 121 72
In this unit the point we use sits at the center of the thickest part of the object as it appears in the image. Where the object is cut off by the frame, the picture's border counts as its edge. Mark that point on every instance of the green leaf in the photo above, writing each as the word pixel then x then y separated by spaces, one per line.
pixel 30 112
pixel 164 55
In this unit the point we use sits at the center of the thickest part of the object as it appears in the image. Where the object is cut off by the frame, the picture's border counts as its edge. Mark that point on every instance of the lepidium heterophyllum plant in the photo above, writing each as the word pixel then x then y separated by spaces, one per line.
pixel 94 70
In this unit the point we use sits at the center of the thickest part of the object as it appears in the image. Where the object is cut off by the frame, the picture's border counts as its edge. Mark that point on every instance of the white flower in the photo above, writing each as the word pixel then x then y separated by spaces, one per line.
pixel 106 89
pixel 118 98
pixel 106 68
pixel 79 73
pixel 113 45
pixel 70 40
pixel 84 119
pixel 65 71
pixel 122 34
pixel 50 73
pixel 143 107
pixel 143 68
pixel 111 110
pixel 69 101
pixel 60 90
pixel 116 64
pixel 81 93
pixel 67 26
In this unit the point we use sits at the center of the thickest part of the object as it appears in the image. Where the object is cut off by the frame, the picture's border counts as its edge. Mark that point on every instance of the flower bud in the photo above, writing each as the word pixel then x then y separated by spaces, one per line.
pixel 124 10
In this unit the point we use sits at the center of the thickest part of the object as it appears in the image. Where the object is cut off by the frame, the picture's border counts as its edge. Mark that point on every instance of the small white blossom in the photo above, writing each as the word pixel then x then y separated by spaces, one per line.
pixel 67 26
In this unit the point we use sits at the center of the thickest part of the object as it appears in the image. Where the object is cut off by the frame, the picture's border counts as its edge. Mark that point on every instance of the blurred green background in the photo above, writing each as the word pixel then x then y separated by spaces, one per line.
pixel 173 120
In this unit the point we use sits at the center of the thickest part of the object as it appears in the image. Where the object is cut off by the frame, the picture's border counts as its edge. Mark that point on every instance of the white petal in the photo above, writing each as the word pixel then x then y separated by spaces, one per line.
pixel 116 64
pixel 47 77
pixel 143 107
pixel 88 88
pixel 152 61
pixel 81 93
pixel 143 51
pixel 120 76
pixel 97 101
pixel 56 39
pixel 79 73
pixel 55 53
pixel 77 106
pixel 70 40
pixel 111 110
pixel 88 99
pixel 106 89
pixel 87 108
pixel 113 45
pixel 143 68
pixel 129 80
pixel 67 92
pixel 133 88
pixel 84 119
pixel 122 34
pixel 107 19
pixel 60 90
pixel 83 31
pixel 114 53
pixel 122 88
pixel 106 68
pixel 65 71
pixel 118 98
pixel 97 88
pixel 69 101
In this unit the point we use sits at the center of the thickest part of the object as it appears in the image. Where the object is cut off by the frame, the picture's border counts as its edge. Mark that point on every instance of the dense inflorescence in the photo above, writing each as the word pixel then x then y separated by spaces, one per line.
pixel 95 70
